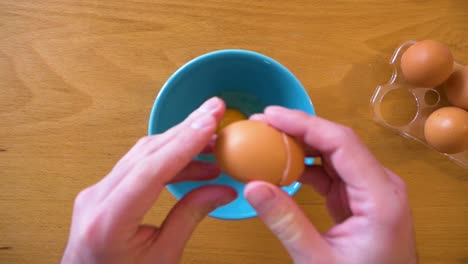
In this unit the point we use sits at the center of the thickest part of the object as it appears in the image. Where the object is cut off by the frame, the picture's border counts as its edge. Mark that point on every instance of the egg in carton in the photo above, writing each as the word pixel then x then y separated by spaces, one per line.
pixel 448 90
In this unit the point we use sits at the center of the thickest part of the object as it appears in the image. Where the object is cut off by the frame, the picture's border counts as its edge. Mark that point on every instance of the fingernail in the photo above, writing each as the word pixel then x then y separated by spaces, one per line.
pixel 210 106
pixel 259 193
pixel 203 121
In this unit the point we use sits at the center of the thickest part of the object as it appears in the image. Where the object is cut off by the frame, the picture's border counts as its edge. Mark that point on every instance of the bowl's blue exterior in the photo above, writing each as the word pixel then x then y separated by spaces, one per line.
pixel 246 80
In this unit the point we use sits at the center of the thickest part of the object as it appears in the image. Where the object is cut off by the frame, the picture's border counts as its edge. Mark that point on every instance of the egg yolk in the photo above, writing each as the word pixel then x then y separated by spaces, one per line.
pixel 230 116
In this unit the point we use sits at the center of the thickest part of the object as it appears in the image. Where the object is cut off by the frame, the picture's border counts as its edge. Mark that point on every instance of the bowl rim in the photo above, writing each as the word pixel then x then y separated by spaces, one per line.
pixel 163 93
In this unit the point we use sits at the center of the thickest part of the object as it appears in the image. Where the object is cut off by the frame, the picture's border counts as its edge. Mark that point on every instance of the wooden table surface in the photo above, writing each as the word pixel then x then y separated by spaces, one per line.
pixel 78 80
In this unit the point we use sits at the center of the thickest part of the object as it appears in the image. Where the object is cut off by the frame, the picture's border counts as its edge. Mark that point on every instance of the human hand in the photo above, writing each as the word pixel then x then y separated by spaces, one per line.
pixel 107 217
pixel 369 204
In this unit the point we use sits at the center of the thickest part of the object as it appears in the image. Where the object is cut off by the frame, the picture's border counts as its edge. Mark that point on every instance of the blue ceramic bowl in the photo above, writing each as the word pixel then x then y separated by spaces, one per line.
pixel 247 81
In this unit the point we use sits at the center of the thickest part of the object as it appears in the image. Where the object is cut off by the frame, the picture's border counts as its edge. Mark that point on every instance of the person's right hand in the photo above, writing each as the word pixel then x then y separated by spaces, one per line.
pixel 367 201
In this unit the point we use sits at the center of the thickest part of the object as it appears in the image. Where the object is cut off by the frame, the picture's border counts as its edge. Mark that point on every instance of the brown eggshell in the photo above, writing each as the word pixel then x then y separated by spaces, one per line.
pixel 296 160
pixel 427 63
pixel 456 88
pixel 230 116
pixel 446 130
pixel 251 150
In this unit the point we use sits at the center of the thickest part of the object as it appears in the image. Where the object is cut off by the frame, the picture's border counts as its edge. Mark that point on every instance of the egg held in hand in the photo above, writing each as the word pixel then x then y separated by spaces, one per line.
pixel 427 63
pixel 251 150
pixel 446 130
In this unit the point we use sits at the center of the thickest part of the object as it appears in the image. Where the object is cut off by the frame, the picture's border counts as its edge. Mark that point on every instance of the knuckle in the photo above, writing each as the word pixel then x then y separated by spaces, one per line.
pixel 285 227
pixel 347 137
pixel 195 212
pixel 403 187
pixel 304 115
pixel 82 198
pixel 393 212
pixel 96 232
pixel 144 140
pixel 397 181
pixel 194 215
pixel 184 138
pixel 94 223
pixel 347 133
pixel 343 134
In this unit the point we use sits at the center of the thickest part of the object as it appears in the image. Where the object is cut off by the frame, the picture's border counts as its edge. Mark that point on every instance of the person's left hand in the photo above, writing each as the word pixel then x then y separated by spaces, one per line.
pixel 107 217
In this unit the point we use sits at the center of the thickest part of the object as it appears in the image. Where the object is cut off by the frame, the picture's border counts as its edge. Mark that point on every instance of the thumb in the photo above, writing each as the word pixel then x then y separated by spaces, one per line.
pixel 286 220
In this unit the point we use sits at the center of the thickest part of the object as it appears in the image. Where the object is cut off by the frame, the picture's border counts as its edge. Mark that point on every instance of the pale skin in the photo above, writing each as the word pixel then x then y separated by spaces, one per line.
pixel 368 202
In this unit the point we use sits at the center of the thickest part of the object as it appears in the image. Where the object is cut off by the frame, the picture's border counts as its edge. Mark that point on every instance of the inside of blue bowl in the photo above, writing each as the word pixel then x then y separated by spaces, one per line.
pixel 246 81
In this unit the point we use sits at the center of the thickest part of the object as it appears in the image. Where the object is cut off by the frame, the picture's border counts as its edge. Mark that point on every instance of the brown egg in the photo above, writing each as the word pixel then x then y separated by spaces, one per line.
pixel 251 150
pixel 456 88
pixel 230 116
pixel 427 63
pixel 446 130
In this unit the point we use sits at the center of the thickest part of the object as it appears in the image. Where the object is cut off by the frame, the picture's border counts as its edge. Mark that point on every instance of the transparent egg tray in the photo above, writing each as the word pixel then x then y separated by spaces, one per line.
pixel 427 99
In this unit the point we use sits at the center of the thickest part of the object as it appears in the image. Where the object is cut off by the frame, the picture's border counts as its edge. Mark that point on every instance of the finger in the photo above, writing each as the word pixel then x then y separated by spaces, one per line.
pixel 209 149
pixel 337 202
pixel 149 144
pixel 332 189
pixel 396 179
pixel 318 178
pixel 138 190
pixel 146 235
pixel 309 151
pixel 214 106
pixel 348 156
pixel 285 219
pixel 105 186
pixel 133 152
pixel 258 117
pixel 187 214
pixel 197 171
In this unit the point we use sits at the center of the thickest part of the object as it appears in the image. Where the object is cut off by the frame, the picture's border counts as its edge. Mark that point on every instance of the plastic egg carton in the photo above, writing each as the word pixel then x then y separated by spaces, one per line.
pixel 415 128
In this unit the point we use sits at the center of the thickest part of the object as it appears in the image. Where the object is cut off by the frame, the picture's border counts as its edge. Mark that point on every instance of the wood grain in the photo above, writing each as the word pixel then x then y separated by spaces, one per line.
pixel 78 79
